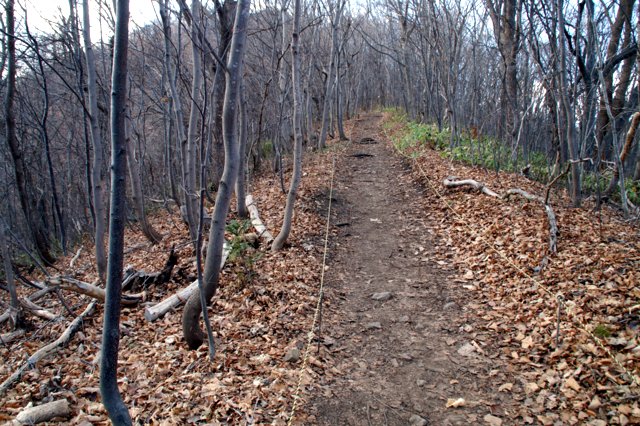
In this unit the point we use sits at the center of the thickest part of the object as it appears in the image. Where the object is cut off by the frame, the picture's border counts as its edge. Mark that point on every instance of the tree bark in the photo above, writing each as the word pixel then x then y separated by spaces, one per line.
pixel 241 182
pixel 628 143
pixel 328 92
pixel 279 241
pixel 38 234
pixel 138 198
pixel 111 398
pixel 16 310
pixel 191 329
pixel 97 178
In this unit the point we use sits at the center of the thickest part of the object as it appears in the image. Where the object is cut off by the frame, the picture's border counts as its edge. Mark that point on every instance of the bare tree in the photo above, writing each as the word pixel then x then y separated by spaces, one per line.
pixel 194 306
pixel 281 238
pixel 111 398
pixel 16 314
pixel 330 78
pixel 97 177
pixel 38 234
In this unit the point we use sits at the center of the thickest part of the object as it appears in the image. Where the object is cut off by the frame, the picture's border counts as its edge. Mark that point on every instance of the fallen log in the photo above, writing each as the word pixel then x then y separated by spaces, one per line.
pixel 38 311
pixel 5 316
pixel 551 216
pixel 43 413
pixel 152 313
pixel 255 220
pixel 7 338
pixel 75 258
pixel 452 182
pixel 80 287
pixel 144 279
pixel 48 349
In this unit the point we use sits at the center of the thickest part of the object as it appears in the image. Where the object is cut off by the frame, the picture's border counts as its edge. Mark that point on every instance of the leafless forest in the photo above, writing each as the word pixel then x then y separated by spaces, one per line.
pixel 185 112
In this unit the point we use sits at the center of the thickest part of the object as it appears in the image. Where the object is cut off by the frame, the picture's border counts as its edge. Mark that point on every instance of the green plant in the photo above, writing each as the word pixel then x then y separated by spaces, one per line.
pixel 602 331
pixel 242 252
pixel 266 148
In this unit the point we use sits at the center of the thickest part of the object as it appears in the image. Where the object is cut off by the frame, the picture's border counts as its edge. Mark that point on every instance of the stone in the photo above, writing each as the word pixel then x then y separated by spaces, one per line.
pixel 374 326
pixel 467 349
pixel 382 296
pixel 404 318
pixel 292 355
pixel 405 357
pixel 449 306
pixel 421 382
pixel 492 420
pixel 416 420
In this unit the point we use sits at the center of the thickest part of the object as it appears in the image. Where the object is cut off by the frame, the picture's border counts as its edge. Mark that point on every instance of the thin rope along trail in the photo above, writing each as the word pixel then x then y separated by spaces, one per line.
pixel 577 322
pixel 316 315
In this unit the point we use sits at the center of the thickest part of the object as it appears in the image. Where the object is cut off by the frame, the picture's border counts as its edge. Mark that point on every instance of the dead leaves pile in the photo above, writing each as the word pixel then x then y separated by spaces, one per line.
pixel 595 276
pixel 255 323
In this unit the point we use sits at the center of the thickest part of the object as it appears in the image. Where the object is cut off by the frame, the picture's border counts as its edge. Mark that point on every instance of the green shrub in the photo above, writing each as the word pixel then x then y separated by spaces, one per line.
pixel 242 253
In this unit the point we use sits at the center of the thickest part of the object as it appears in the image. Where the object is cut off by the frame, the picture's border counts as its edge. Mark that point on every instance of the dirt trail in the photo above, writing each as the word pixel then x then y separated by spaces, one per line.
pixel 403 357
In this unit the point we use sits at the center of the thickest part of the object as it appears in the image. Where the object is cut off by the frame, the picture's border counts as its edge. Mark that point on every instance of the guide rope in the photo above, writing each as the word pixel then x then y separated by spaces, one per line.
pixel 316 315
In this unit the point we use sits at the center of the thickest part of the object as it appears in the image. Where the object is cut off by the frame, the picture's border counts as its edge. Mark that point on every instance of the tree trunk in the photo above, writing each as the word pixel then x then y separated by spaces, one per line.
pixel 8 276
pixel 191 329
pixel 328 92
pixel 225 14
pixel 97 178
pixel 175 95
pixel 241 206
pixel 281 238
pixel 191 149
pixel 568 109
pixel 138 198
pixel 38 234
pixel 111 398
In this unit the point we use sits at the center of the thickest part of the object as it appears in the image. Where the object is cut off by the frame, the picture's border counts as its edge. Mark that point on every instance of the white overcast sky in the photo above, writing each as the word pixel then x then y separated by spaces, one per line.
pixel 42 12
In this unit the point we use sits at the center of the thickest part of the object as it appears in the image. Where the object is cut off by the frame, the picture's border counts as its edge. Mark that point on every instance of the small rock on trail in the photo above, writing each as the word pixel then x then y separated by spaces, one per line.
pixel 382 296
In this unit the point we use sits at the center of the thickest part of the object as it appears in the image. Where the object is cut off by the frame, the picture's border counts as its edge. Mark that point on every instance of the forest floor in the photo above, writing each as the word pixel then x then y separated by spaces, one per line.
pixel 435 309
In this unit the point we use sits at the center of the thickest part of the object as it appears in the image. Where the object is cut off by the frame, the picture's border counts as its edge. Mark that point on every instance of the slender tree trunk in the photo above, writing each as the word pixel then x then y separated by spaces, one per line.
pixel 241 207
pixel 328 93
pixel 97 177
pixel 175 96
pixel 569 113
pixel 38 234
pixel 136 191
pixel 16 315
pixel 111 398
pixel 44 132
pixel 281 238
pixel 190 326
pixel 225 14
pixel 191 149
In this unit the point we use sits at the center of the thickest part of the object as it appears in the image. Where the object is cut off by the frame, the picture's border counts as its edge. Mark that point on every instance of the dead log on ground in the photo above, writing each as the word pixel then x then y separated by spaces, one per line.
pixel 255 220
pixel 6 315
pixel 551 216
pixel 43 413
pixel 71 284
pixel 48 349
pixel 75 258
pixel 38 311
pixel 152 313
pixel 144 279
pixel 7 338
pixel 452 182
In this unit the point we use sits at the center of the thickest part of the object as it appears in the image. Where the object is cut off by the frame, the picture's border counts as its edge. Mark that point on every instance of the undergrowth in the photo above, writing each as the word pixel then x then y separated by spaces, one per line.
pixel 409 137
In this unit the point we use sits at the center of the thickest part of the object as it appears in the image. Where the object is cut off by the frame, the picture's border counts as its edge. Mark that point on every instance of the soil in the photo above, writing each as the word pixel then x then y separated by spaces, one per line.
pixel 401 359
